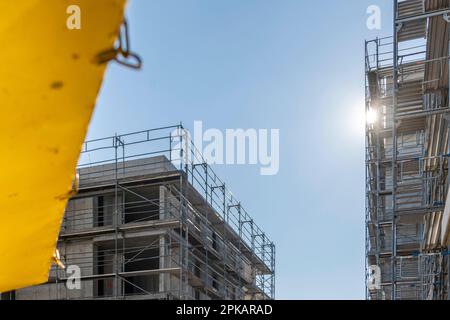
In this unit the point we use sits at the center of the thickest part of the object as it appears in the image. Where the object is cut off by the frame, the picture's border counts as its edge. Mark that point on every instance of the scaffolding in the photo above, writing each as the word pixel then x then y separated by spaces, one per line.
pixel 407 153
pixel 152 220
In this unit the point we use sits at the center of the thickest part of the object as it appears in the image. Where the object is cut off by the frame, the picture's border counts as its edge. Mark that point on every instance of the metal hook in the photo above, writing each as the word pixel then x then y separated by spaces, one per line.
pixel 122 54
pixel 56 259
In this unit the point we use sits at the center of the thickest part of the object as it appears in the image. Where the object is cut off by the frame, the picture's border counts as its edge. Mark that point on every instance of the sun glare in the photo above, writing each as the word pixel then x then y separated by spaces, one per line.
pixel 371 117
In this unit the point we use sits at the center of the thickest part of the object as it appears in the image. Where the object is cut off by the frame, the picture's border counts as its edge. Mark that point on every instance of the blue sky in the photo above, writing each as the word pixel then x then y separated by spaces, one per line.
pixel 293 65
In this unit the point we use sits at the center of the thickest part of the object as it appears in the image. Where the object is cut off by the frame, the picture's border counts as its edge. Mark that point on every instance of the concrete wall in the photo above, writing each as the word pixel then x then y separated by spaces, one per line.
pixel 104 174
pixel 79 214
pixel 81 254
pixel 42 292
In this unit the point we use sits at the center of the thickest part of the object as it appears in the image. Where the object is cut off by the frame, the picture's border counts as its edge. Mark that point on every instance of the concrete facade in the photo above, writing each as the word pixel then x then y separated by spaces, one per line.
pixel 139 230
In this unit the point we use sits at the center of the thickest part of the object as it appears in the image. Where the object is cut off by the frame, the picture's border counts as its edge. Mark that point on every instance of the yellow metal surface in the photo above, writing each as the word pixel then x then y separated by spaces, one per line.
pixel 49 81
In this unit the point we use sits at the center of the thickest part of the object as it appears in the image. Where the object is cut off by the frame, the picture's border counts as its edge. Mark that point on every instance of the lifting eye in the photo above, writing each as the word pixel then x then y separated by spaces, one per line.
pixel 57 259
pixel 122 53
pixel 75 184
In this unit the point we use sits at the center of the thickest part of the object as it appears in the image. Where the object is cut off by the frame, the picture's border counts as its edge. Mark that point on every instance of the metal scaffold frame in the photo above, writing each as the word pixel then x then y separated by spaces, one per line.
pixel 407 153
pixel 201 242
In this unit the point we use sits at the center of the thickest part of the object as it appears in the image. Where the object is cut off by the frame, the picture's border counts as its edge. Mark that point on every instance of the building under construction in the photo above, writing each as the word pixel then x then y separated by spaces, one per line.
pixel 407 155
pixel 151 220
